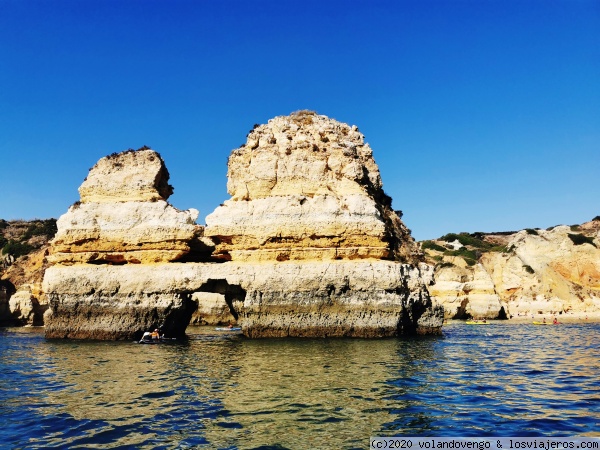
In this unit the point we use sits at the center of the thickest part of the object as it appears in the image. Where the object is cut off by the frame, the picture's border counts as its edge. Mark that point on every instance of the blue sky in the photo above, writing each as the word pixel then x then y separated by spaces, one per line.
pixel 482 115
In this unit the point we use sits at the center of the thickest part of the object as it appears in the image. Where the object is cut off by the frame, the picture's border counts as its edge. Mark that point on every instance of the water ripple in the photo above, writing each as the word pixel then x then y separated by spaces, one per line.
pixel 217 391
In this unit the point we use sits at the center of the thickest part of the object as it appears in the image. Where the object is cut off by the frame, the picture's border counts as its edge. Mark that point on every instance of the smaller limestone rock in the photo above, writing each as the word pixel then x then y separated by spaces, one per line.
pixel 25 308
pixel 212 309
pixel 123 216
pixel 128 176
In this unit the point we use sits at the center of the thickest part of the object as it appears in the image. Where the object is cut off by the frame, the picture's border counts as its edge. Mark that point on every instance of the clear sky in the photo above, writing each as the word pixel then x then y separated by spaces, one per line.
pixel 483 115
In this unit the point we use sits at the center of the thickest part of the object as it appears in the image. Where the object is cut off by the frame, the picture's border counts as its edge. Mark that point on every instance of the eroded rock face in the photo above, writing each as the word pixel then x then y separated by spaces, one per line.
pixel 466 291
pixel 127 176
pixel 300 299
pixel 25 309
pixel 123 216
pixel 306 187
pixel 317 251
pixel 548 272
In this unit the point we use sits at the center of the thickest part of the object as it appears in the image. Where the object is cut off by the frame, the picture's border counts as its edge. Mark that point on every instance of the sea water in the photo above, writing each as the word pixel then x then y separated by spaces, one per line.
pixel 219 390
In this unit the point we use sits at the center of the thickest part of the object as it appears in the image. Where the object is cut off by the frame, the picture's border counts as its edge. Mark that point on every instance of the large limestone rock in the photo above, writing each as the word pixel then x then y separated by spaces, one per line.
pixel 306 187
pixel 300 299
pixel 316 252
pixel 123 215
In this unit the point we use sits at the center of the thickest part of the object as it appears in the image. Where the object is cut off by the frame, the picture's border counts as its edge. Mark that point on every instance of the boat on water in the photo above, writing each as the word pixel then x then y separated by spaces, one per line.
pixel 546 323
pixel 151 338
pixel 228 329
pixel 157 341
pixel 477 322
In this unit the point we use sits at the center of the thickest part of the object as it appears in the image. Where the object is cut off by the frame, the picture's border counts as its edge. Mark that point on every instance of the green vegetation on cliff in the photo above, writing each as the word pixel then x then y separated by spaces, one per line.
pixel 19 237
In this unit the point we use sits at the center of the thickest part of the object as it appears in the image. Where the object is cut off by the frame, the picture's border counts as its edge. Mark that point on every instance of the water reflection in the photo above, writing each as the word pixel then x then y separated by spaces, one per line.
pixel 291 390
pixel 224 391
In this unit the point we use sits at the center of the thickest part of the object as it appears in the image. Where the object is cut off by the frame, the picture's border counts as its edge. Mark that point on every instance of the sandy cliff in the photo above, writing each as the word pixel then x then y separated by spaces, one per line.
pixel 554 272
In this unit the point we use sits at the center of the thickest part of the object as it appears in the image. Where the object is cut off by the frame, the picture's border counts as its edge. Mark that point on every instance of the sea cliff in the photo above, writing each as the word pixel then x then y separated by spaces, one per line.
pixel 533 272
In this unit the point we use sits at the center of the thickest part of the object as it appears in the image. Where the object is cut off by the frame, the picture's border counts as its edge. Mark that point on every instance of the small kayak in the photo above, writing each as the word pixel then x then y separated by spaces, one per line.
pixel 157 341
pixel 477 322
pixel 545 323
pixel 228 329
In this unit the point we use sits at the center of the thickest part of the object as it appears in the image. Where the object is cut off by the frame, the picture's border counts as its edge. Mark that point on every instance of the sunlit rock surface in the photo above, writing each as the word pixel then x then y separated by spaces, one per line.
pixel 317 252
pixel 554 272
pixel 306 187
pixel 123 215
pixel 302 299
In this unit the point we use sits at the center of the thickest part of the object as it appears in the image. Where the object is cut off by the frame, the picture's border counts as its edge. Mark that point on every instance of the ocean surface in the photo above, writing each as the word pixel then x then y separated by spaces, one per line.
pixel 222 391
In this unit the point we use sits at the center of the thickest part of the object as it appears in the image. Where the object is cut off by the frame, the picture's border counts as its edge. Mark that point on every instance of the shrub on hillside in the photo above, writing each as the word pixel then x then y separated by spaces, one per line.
pixel 499 249
pixel 469 256
pixel 41 228
pixel 16 248
pixel 430 245
pixel 467 239
pixel 580 239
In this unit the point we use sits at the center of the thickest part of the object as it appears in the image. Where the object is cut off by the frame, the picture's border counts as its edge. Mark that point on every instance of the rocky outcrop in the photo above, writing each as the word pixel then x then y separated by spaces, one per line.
pixel 25 245
pixel 311 244
pixel 548 272
pixel 25 308
pixel 306 187
pixel 300 299
pixel 530 272
pixel 123 215
pixel 466 291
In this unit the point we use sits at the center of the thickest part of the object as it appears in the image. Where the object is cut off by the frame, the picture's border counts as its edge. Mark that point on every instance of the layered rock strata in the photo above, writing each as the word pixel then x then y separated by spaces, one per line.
pixel 123 215
pixel 306 187
pixel 554 272
pixel 311 244
pixel 466 291
pixel 299 299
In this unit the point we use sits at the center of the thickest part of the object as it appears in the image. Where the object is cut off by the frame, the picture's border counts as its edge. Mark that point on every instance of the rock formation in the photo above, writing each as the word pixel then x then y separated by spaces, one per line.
pixel 25 308
pixel 306 187
pixel 123 215
pixel 530 272
pixel 22 301
pixel 363 299
pixel 311 244
pixel 466 291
